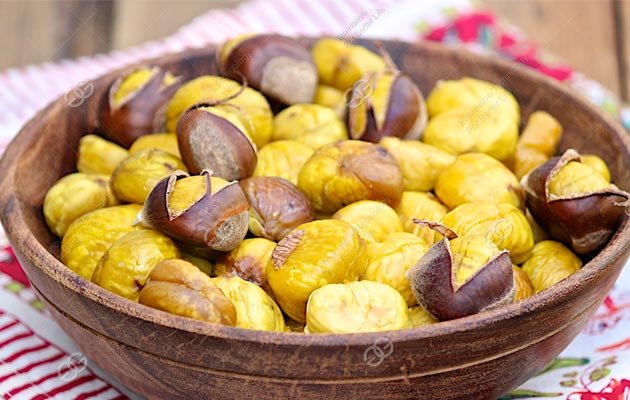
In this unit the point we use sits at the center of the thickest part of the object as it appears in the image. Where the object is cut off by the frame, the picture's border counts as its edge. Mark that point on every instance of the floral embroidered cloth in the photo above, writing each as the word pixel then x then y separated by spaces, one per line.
pixel 38 361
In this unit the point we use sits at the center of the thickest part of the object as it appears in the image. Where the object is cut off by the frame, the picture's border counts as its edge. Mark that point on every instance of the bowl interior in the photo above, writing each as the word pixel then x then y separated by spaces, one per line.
pixel 46 157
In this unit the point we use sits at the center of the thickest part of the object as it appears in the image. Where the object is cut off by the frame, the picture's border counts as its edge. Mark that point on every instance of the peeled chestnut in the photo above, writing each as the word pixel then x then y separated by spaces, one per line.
pixel 278 66
pixel 574 203
pixel 178 287
pixel 462 277
pixel 210 138
pixel 351 170
pixel 132 108
pixel 198 210
pixel 276 206
pixel 392 106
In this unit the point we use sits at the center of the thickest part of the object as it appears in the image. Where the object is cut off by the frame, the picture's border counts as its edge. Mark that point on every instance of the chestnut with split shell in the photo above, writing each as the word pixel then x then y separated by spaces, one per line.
pixel 461 277
pixel 574 203
pixel 191 210
pixel 276 206
pixel 134 104
pixel 278 66
pixel 391 106
pixel 215 140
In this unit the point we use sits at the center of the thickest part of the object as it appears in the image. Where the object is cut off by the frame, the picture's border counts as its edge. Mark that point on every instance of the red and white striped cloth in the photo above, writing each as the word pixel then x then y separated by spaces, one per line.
pixel 38 361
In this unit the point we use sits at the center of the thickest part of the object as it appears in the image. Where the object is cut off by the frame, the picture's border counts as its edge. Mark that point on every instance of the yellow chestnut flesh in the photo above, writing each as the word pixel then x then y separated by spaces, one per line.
pixel 178 287
pixel 422 206
pixel 373 220
pixel 135 176
pixel 340 65
pixel 344 172
pixel 310 124
pixel 473 129
pixel 550 263
pixel 524 288
pixel 247 261
pixel 126 265
pixel 597 164
pixel 311 256
pixel 363 306
pixel 477 177
pixel 469 92
pixel 254 308
pixel 99 156
pixel 390 260
pixel 163 141
pixel 90 235
pixel 282 159
pixel 503 224
pixel 73 196
pixel 331 97
pixel 576 178
pixel 418 316
pixel 538 142
pixel 420 163
pixel 215 89
pixel 189 191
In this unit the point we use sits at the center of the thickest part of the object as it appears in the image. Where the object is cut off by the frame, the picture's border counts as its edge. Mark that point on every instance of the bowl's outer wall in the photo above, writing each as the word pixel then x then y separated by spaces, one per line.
pixel 477 357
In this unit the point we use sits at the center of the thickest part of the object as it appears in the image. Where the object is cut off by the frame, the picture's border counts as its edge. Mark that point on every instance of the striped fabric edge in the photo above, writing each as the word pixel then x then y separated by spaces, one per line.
pixel 33 368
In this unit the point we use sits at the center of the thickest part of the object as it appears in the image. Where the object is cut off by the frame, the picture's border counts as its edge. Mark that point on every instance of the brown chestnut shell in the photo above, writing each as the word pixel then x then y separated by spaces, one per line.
pixel 279 66
pixel 405 115
pixel 433 284
pixel 276 206
pixel 140 113
pixel 218 220
pixel 584 222
pixel 209 141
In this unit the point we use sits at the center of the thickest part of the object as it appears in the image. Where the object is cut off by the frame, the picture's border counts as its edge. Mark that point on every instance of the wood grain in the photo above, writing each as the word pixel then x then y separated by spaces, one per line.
pixel 622 9
pixel 166 356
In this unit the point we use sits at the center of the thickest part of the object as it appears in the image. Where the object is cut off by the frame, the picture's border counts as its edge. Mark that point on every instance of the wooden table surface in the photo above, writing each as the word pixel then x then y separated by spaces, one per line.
pixel 592 35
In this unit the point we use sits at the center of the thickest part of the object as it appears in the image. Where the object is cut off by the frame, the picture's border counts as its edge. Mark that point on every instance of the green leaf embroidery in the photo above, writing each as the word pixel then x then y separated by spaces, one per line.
pixel 564 363
pixel 599 373
pixel 569 383
pixel 525 394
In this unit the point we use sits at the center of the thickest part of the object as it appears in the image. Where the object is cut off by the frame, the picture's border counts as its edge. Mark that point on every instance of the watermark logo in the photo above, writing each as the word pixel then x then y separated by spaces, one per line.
pixel 72 367
pixel 360 92
pixel 378 352
pixel 78 94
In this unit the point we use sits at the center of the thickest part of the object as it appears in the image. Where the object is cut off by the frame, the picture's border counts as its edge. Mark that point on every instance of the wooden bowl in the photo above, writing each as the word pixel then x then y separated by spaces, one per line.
pixel 166 356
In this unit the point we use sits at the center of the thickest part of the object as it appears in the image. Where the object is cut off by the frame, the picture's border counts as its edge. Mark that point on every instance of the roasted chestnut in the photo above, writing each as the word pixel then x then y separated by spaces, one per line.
pixel 422 206
pixel 574 203
pixel 420 163
pixel 352 307
pixel 477 177
pixel 549 263
pixel 461 277
pixel 344 172
pixel 537 143
pixel 340 65
pixel 373 220
pixel 99 156
pixel 278 66
pixel 276 206
pixel 218 140
pixel 313 255
pixel 198 210
pixel 310 124
pixel 284 159
pixel 219 91
pixel 134 102
pixel 178 287
pixel 393 106
pixel 248 261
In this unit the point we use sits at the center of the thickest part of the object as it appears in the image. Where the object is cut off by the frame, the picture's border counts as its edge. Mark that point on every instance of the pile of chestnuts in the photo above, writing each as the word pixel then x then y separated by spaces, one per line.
pixel 359 206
